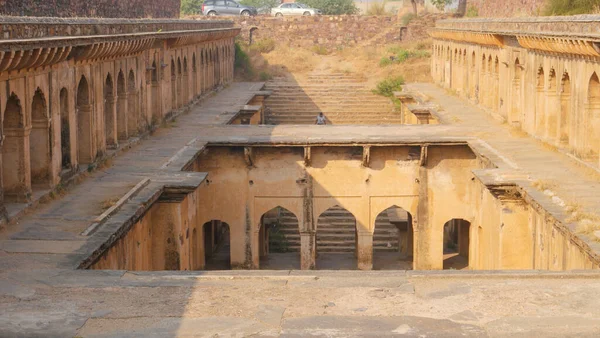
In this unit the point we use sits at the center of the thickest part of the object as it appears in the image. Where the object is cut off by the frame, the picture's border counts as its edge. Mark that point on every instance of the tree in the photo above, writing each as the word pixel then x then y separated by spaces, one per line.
pixel 333 7
pixel 441 4
pixel 261 4
pixel 191 7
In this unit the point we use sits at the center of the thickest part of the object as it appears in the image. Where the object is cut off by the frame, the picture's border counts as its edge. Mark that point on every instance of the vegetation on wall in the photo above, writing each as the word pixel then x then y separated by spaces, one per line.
pixel 388 86
pixel 242 64
pixel 333 7
pixel 191 7
pixel 572 7
pixel 266 4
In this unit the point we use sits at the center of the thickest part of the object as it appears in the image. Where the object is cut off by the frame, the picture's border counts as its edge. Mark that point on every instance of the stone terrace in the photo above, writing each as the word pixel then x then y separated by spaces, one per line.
pixel 42 294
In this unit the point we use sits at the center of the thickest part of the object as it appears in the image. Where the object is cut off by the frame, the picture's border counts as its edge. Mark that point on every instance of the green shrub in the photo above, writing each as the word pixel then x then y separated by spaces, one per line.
pixel 191 7
pixel 388 86
pixel 277 240
pixel 472 12
pixel 385 61
pixel 407 18
pixel 333 7
pixel 242 62
pixel 320 50
pixel 571 7
pixel 263 46
pixel 422 45
pixel 264 76
pixel 402 55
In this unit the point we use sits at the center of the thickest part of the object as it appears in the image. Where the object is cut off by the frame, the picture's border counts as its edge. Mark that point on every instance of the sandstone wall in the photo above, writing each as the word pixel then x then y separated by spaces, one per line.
pixel 92 8
pixel 507 8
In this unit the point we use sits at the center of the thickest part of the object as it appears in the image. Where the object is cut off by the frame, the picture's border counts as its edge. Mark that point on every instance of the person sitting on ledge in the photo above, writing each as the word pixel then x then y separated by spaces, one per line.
pixel 321 119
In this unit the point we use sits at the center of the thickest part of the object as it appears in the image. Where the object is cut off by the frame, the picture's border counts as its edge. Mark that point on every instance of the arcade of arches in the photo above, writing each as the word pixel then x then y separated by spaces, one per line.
pixel 548 86
pixel 345 207
pixel 63 107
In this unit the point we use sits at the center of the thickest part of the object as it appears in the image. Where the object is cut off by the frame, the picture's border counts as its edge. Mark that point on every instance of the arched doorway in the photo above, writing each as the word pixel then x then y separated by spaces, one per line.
pixel 336 240
pixel 84 123
pixel 553 104
pixel 540 104
pixel 179 84
pixel 515 116
pixel 393 240
pixel 565 109
pixel 14 181
pixel 194 75
pixel 592 119
pixel 202 72
pixel 456 244
pixel 39 142
pixel 279 240
pixel 173 86
pixel 121 107
pixel 473 79
pixel 134 120
pixel 65 130
pixel 186 82
pixel 217 250
pixel 109 113
pixel 156 97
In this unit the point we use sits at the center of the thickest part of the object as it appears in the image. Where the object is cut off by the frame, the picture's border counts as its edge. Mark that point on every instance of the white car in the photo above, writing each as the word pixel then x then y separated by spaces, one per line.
pixel 294 9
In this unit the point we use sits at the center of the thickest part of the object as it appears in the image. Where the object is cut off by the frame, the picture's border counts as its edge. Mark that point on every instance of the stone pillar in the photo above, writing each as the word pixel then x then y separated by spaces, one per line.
pixel 308 244
pixel 16 175
pixel 132 114
pixel 255 249
pixel 516 237
pixel 122 117
pixel 423 259
pixel 364 241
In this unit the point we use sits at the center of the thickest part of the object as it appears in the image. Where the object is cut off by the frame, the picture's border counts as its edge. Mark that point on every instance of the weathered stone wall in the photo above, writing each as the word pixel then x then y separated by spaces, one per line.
pixel 507 8
pixel 29 28
pixel 333 31
pixel 547 86
pixel 92 8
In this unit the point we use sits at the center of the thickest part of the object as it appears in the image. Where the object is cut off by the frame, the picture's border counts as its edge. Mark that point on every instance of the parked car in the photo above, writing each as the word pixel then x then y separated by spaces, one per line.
pixel 294 9
pixel 226 7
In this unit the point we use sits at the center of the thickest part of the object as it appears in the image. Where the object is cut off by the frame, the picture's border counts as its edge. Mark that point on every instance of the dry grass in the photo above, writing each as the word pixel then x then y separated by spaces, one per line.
pixel 108 203
pixel 361 61
pixel 543 185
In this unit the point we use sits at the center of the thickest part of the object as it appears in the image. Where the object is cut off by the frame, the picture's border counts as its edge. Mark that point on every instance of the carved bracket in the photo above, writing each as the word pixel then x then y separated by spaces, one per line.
pixel 307 156
pixel 423 159
pixel 249 156
pixel 366 157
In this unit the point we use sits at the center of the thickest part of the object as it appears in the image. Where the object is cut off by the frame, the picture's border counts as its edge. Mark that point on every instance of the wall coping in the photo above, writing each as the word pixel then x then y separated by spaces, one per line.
pixel 32 20
pixel 543 19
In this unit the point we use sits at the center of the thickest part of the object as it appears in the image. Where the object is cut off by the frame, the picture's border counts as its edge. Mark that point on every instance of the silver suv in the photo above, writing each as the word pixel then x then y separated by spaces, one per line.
pixel 226 7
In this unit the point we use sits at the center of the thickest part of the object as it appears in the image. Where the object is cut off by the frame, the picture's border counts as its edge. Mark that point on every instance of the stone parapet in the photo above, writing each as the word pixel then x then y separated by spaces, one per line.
pixel 92 8
pixel 30 27
pixel 578 25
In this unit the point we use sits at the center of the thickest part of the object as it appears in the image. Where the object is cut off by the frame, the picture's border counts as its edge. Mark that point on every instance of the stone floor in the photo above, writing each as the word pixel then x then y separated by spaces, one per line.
pixel 42 295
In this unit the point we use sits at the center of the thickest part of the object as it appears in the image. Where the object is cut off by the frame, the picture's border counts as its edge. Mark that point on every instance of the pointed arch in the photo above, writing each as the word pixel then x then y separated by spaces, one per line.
pixel 39 141
pixel 336 237
pixel 516 115
pixel 135 122
pixel 565 109
pixel 279 240
pixel 393 238
pixel 15 181
pixel 540 103
pixel 186 82
pixel 156 107
pixel 84 123
pixel 109 112
pixel 592 119
pixel 65 129
pixel 122 132
pixel 173 85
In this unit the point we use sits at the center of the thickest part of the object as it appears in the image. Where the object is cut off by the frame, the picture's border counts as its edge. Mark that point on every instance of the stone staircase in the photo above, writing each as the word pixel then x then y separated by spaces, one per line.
pixel 342 98
pixel 336 231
